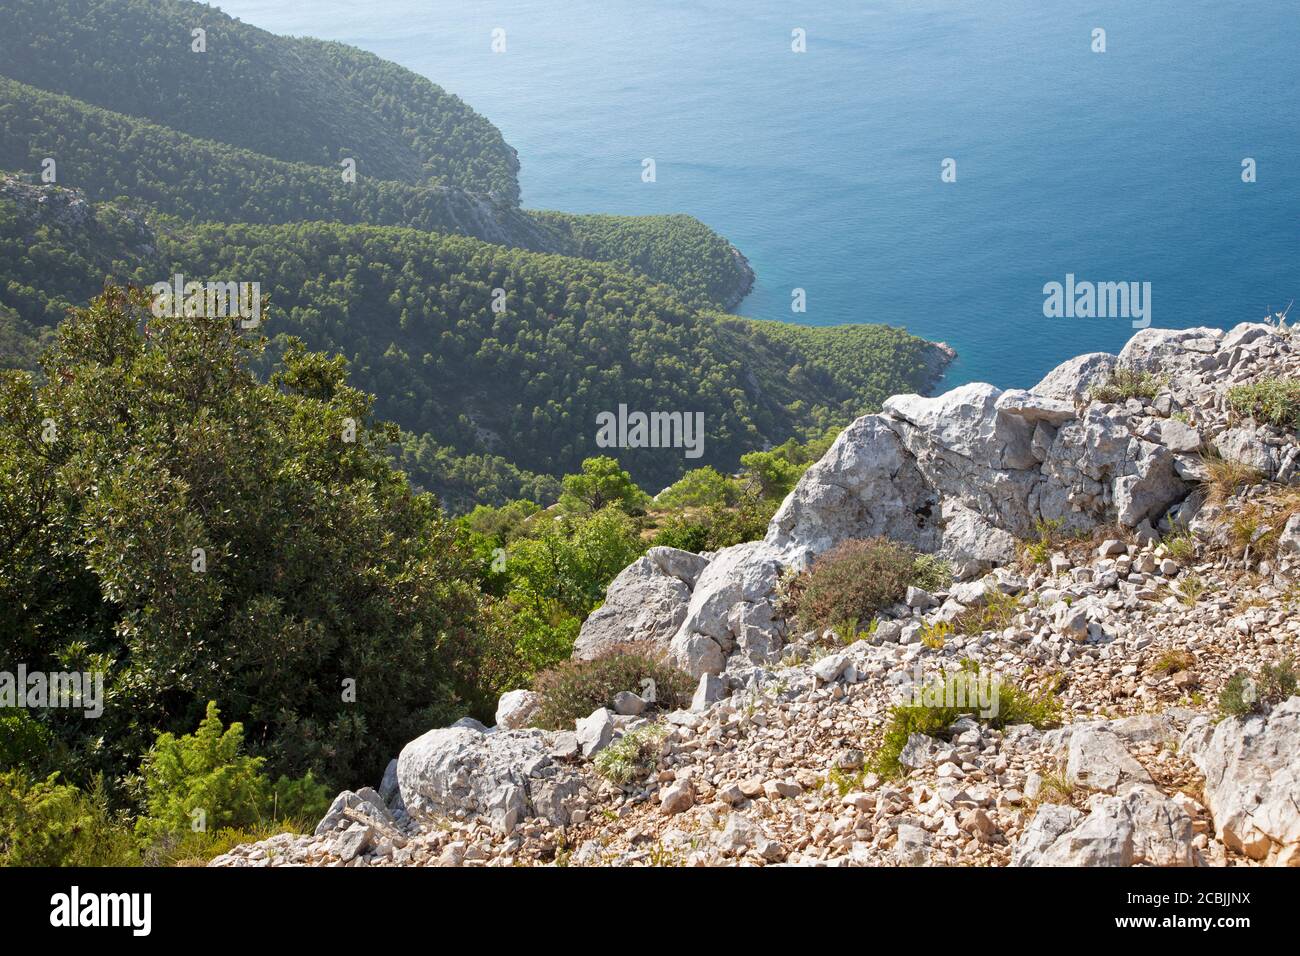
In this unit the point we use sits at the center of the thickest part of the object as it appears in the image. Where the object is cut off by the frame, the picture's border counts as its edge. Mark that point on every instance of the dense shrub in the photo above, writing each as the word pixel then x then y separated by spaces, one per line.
pixel 600 484
pixel 27 744
pixel 204 781
pixel 699 488
pixel 46 823
pixel 857 579
pixel 573 689
pixel 686 533
pixel 555 577
pixel 320 566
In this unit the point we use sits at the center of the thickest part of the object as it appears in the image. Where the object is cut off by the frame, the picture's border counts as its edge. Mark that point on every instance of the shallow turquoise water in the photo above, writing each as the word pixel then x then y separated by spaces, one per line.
pixel 824 167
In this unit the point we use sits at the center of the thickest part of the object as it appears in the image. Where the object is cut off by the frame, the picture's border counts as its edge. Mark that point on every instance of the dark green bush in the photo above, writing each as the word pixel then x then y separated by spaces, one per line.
pixel 679 531
pixel 575 688
pixel 27 744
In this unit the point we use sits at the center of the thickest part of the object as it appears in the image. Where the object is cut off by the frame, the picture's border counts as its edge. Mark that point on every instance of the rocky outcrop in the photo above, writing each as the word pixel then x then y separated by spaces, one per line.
pixel 730 610
pixel 967 475
pixel 1142 827
pixel 1252 780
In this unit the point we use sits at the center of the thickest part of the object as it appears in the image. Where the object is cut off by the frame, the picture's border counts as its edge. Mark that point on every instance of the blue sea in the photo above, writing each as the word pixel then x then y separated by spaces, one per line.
pixel 823 167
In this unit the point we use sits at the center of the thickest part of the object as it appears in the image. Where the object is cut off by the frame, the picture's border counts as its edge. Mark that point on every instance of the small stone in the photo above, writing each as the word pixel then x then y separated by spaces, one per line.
pixel 678 797
pixel 595 732
pixel 849 759
pixel 913 846
pixel 1111 548
pixel 778 789
pixel 731 794
pixel 707 692
pixel 353 841
pixel 830 667
pixel 628 704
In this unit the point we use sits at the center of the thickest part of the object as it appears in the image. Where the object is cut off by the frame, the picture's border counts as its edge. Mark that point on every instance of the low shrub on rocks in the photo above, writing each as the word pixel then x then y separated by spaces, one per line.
pixel 1047 538
pixel 574 688
pixel 857 579
pixel 1227 476
pixel 1125 383
pixel 1275 401
pixel 631 756
pixel 1245 694
pixel 960 692
pixel 995 613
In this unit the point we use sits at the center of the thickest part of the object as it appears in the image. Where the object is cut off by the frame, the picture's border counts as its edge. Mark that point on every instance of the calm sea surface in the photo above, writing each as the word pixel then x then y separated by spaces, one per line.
pixel 824 167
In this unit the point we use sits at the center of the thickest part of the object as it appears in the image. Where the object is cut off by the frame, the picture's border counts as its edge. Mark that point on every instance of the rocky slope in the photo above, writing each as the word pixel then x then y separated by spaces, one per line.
pixel 1123 558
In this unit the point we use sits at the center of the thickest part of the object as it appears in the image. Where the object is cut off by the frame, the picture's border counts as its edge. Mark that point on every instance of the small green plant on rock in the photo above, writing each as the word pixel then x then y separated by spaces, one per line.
pixel 961 691
pixel 995 613
pixel 1189 588
pixel 935 634
pixel 1227 476
pixel 1047 538
pixel 1181 547
pixel 1172 661
pixel 1245 694
pixel 1125 383
pixel 631 756
pixel 1274 401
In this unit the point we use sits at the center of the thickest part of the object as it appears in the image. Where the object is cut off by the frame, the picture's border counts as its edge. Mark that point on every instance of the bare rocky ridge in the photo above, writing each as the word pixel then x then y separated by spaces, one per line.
pixel 1133 635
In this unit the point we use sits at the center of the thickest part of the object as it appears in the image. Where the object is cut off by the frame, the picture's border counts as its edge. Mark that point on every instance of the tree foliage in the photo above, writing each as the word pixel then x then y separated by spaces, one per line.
pixel 321 569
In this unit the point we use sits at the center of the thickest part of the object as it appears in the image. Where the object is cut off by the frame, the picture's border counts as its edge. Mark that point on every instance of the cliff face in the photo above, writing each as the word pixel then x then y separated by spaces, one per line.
pixel 1161 501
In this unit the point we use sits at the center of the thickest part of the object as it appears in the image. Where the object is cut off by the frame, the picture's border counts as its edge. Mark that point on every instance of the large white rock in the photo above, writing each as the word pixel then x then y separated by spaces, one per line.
pixel 1074 378
pixel 867 484
pixel 686 566
pixel 1098 760
pixel 1163 351
pixel 966 422
pixel 1033 407
pixel 645 603
pixel 595 731
pixel 971 544
pixel 1252 780
pixel 967 475
pixel 501 777
pixel 743 574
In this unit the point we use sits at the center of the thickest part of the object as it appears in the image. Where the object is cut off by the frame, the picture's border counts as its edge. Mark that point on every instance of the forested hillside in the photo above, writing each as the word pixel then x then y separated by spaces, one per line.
pixel 297 100
pixel 224 163
pixel 111 155
pixel 420 332
pixel 413 313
